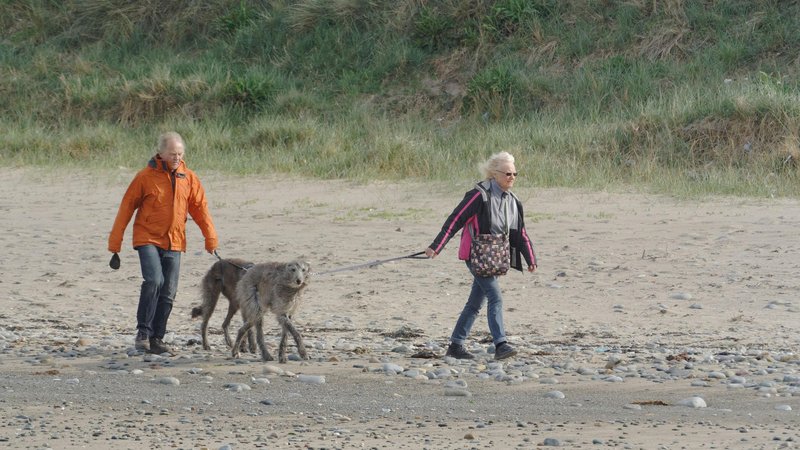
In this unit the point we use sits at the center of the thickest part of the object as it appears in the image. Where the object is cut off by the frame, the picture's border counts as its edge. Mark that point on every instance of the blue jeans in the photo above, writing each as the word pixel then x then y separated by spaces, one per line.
pixel 160 270
pixel 483 288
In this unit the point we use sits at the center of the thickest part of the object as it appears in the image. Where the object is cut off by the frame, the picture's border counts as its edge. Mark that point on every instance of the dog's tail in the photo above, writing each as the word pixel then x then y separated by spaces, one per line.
pixel 210 287
pixel 197 311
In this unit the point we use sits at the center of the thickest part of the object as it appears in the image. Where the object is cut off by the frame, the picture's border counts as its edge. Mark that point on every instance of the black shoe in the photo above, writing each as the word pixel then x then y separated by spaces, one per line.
pixel 459 352
pixel 503 350
pixel 158 347
pixel 141 343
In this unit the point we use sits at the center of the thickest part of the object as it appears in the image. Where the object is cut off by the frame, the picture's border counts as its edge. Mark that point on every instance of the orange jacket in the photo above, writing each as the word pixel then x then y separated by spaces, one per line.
pixel 161 209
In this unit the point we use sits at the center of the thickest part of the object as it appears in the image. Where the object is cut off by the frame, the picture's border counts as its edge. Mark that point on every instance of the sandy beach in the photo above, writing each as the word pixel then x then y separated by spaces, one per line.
pixel 652 323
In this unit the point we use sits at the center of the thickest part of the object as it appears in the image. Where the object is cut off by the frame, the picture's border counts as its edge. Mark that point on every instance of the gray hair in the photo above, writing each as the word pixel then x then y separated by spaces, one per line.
pixel 494 162
pixel 168 137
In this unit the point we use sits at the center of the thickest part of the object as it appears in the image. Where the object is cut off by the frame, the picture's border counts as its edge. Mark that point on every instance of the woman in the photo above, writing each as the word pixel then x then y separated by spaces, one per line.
pixel 489 208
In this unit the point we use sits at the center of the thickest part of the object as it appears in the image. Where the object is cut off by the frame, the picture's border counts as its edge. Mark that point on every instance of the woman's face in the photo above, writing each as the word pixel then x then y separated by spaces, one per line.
pixel 505 176
pixel 172 154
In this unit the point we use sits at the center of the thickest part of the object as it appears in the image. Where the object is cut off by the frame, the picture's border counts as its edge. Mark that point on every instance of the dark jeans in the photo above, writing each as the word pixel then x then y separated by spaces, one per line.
pixel 160 270
pixel 483 289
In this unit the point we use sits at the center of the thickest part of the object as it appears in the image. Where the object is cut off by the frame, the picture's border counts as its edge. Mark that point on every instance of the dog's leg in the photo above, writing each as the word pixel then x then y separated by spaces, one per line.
pixel 265 356
pixel 248 345
pixel 282 346
pixel 251 339
pixel 211 290
pixel 233 308
pixel 287 325
pixel 239 337
pixel 251 336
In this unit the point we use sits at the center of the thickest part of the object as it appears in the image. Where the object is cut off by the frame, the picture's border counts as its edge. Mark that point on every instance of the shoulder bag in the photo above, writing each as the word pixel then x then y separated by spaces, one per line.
pixel 490 254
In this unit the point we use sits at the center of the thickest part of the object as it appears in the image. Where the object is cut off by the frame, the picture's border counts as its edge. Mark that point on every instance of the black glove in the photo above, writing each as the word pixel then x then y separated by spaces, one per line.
pixel 114 263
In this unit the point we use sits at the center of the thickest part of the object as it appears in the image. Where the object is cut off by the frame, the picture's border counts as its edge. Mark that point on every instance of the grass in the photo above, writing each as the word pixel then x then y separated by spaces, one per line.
pixel 686 98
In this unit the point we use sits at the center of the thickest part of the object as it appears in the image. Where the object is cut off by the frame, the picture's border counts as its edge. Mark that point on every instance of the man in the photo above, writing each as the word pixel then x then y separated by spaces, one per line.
pixel 161 194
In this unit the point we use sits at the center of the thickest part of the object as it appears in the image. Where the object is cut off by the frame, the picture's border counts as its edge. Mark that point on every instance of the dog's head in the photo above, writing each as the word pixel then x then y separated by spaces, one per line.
pixel 297 273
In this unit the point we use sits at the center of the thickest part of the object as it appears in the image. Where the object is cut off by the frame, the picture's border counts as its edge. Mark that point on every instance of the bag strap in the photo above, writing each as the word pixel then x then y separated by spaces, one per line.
pixel 504 199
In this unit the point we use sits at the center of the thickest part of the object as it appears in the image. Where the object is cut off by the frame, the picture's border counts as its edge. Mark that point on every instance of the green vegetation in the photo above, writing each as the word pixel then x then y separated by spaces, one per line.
pixel 682 97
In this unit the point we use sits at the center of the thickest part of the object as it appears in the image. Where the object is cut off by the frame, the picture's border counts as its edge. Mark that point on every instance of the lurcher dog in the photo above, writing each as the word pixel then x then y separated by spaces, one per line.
pixel 222 278
pixel 275 287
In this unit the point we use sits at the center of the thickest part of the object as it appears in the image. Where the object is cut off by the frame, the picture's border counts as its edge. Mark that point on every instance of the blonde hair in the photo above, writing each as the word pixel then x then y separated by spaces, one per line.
pixel 167 137
pixel 493 164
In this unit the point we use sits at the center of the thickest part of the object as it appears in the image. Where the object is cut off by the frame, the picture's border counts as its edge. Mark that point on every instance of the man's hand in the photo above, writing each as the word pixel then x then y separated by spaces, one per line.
pixel 114 263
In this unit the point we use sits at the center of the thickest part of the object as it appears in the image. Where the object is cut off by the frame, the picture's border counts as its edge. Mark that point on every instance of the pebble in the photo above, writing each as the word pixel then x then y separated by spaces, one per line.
pixel 237 387
pixel 693 402
pixel 756 372
pixel 457 393
pixel 554 394
pixel 272 370
pixel 456 384
pixel 392 368
pixel 311 379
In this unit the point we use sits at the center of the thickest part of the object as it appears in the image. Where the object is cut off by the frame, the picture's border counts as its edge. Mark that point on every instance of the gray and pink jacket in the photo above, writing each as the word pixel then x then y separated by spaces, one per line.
pixel 474 213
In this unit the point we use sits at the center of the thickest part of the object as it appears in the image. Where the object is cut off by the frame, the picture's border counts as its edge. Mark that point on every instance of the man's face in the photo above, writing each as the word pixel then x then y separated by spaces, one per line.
pixel 172 154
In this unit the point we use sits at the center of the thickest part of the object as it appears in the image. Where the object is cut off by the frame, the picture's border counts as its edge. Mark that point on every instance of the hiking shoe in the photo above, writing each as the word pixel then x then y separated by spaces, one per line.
pixel 158 347
pixel 458 351
pixel 141 343
pixel 503 350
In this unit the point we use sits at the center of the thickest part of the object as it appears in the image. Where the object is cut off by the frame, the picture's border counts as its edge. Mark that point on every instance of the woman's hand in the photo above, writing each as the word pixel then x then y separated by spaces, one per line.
pixel 430 253
pixel 532 268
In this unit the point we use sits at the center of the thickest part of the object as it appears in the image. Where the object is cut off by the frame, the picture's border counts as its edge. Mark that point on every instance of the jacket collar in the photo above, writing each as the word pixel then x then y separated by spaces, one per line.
pixel 159 164
pixel 490 186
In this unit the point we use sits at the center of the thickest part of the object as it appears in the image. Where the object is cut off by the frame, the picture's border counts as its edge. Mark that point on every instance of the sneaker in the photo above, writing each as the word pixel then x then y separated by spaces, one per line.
pixel 503 350
pixel 458 351
pixel 141 343
pixel 158 347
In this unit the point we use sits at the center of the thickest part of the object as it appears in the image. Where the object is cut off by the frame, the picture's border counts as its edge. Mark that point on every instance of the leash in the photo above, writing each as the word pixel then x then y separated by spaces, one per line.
pixel 377 262
pixel 234 265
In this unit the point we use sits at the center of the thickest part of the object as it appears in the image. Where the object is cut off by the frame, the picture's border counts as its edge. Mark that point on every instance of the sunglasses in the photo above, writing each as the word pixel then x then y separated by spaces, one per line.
pixel 510 174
